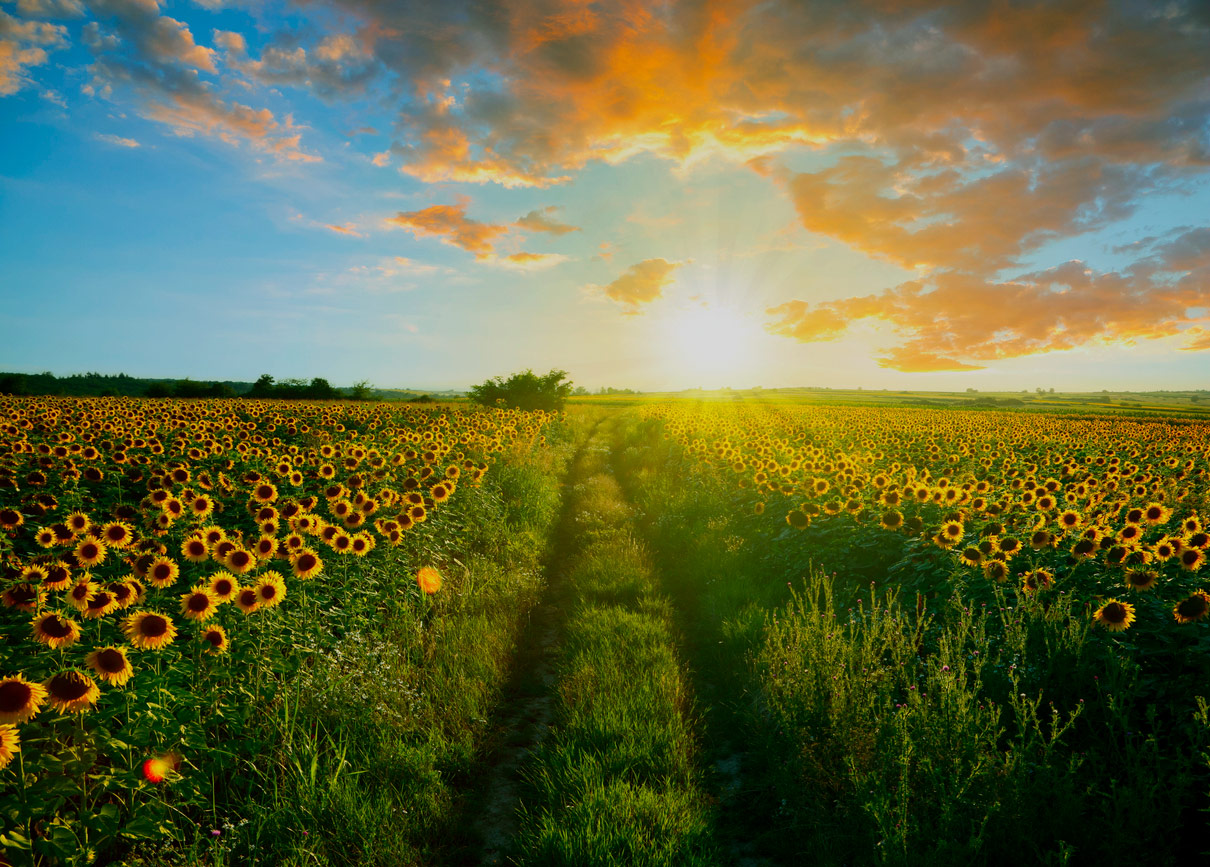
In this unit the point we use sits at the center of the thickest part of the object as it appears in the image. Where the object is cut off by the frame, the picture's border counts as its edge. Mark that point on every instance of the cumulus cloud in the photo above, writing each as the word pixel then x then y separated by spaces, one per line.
pixel 525 261
pixel 451 224
pixel 641 284
pixel 56 9
pixel 337 66
pixel 544 221
pixel 24 44
pixel 157 58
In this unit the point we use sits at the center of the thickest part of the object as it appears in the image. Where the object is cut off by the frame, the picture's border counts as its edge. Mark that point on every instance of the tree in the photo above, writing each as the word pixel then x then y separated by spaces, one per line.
pixel 263 387
pixel 362 390
pixel 524 390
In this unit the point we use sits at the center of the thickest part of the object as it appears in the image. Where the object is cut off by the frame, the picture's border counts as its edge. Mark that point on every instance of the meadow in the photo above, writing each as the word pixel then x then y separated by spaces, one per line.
pixel 743 628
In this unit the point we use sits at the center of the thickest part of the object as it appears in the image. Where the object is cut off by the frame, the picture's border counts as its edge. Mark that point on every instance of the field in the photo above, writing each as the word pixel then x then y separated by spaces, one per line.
pixel 726 628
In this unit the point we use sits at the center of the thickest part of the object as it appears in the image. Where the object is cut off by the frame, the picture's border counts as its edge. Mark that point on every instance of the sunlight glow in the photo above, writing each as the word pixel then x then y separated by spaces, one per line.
pixel 712 345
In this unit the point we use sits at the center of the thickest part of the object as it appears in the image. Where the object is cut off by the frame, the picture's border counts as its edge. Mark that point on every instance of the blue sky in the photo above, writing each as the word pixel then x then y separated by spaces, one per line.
pixel 871 194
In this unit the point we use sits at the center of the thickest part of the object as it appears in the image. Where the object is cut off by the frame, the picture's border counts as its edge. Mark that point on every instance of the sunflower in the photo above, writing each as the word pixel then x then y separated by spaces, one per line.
pixel 1194 608
pixel 124 592
pixel 1115 616
pixel 240 561
pixel 1036 579
pixel 1139 579
pixel 223 586
pixel 1040 539
pixel 102 603
pixel 1084 549
pixel 264 493
pixel 58 577
pixel 55 631
pixel 79 594
pixel 1191 559
pixel 78 522
pixel 1070 519
pixel 10 745
pixel 892 519
pixel 212 535
pixel 199 604
pixel 1156 513
pixel 195 550
pixel 163 572
pixel 71 691
pixel 995 570
pixel 117 534
pixel 306 563
pixel 363 544
pixel 111 665
pixel 971 556
pixel 90 552
pixel 270 590
pixel 24 597
pixel 149 630
pixel 200 507
pixel 247 599
pixel 429 579
pixel 216 637
pixel 11 519
pixel 341 543
pixel 1010 546
pixel 1131 534
pixel 20 700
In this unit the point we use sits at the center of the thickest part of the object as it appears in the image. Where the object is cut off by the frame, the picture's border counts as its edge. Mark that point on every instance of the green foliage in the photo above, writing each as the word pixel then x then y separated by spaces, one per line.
pixel 525 390
pixel 293 389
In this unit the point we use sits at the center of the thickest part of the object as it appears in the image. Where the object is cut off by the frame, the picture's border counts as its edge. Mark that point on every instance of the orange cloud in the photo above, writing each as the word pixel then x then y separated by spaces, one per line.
pixel 641 284
pixel 450 223
pixel 954 320
pixel 937 82
pixel 525 261
pixel 347 229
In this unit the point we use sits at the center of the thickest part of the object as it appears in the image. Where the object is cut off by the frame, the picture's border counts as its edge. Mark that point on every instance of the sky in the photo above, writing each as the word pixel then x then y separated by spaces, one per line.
pixel 904 194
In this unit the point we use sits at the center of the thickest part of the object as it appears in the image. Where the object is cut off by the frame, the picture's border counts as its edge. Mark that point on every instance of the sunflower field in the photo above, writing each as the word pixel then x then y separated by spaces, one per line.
pixel 169 565
pixel 970 636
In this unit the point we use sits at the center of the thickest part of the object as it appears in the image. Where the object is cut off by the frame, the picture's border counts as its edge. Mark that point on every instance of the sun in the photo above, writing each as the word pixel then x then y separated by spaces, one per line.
pixel 713 344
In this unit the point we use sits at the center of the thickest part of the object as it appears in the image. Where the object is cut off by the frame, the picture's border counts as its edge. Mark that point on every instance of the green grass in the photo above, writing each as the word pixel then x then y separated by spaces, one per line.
pixel 616 782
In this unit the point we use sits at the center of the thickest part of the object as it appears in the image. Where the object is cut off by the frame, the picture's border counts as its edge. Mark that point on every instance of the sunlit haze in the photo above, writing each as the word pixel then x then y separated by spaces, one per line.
pixel 919 195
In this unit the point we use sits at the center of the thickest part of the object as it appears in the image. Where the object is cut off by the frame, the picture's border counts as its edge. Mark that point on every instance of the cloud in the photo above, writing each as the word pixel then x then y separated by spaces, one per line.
pixel 450 223
pixel 57 9
pixel 117 140
pixel 347 229
pixel 569 83
pixel 641 284
pixel 157 59
pixel 954 320
pixel 23 44
pixel 525 261
pixel 542 221
pixel 337 66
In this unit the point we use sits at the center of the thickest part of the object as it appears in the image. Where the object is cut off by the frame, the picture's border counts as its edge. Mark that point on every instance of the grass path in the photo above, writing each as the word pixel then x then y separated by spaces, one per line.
pixel 595 760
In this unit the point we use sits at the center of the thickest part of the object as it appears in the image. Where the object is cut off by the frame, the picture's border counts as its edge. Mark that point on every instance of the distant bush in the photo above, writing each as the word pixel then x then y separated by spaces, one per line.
pixel 524 390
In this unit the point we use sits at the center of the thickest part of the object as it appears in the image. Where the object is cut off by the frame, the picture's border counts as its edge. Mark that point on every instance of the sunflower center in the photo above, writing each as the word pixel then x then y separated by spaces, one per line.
pixel 215 638
pixel 99 601
pixel 1114 612
pixel 67 687
pixel 153 626
pixel 199 602
pixel 111 661
pixel 14 695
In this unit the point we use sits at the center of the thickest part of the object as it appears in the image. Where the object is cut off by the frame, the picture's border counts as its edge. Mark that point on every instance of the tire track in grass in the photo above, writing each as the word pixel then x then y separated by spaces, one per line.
pixel 615 781
pixel 487 812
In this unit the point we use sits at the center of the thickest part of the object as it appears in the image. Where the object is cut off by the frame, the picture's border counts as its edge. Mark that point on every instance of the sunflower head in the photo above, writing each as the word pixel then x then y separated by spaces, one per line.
pixel 1115 616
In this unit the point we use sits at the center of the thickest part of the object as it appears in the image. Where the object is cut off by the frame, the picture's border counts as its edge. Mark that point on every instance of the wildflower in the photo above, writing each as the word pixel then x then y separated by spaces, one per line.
pixel 429 580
